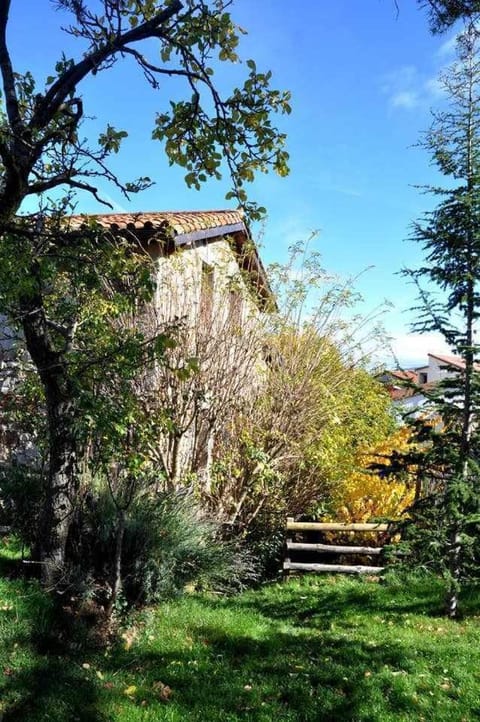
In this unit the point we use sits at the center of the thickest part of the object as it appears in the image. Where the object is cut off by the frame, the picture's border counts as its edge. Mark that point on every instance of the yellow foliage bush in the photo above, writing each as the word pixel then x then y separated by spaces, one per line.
pixel 364 495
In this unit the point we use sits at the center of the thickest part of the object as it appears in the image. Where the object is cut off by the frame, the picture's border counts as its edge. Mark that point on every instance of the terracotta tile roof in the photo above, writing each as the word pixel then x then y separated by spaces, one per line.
pixel 454 361
pixel 180 222
pixel 396 394
pixel 404 375
pixel 449 360
pixel 429 386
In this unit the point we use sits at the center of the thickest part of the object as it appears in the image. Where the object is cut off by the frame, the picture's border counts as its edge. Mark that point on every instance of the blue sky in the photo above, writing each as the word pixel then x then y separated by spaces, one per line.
pixel 363 79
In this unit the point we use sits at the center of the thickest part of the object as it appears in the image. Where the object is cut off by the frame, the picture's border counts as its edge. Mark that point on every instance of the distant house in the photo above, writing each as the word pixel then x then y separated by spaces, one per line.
pixel 396 381
pixel 408 387
pixel 439 367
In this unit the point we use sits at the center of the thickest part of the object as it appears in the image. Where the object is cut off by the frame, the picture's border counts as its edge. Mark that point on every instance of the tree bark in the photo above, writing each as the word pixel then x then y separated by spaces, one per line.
pixel 60 493
pixel 62 482
pixel 117 565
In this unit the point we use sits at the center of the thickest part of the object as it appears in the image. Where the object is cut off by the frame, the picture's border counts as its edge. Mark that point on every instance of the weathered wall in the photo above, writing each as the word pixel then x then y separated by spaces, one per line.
pixel 203 290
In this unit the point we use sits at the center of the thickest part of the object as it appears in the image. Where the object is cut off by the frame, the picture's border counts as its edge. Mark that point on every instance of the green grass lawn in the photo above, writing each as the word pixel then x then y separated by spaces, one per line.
pixel 313 649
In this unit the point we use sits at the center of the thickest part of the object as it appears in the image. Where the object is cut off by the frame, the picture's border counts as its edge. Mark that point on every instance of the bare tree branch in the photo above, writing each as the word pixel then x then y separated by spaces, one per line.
pixel 68 81
pixel 6 68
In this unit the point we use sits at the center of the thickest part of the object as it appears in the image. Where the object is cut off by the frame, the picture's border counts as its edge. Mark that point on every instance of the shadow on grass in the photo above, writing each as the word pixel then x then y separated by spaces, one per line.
pixel 329 599
pixel 301 667
pixel 285 676
pixel 39 682
pixel 56 691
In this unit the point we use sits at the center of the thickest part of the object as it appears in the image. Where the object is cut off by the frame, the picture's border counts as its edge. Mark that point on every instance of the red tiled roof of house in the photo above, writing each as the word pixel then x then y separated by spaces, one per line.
pixel 455 361
pixel 181 222
pixel 404 375
pixel 449 360
pixel 397 393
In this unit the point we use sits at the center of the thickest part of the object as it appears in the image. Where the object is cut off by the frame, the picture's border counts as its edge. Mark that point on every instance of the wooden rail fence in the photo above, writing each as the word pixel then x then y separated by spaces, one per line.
pixel 296 527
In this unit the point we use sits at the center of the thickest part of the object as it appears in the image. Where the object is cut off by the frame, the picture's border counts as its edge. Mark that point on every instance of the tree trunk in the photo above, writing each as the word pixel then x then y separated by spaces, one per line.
pixel 117 565
pixel 60 494
pixel 455 551
pixel 454 568
pixel 62 482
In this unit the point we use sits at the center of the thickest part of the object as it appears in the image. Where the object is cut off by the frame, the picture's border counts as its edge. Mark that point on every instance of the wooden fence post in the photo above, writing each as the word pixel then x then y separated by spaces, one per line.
pixel 287 560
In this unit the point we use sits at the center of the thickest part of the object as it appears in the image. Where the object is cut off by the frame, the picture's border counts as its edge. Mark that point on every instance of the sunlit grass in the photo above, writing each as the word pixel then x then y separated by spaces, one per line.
pixel 312 649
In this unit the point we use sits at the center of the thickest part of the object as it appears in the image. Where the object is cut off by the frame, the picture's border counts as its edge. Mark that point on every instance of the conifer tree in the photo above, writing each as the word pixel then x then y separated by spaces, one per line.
pixel 444 13
pixel 449 286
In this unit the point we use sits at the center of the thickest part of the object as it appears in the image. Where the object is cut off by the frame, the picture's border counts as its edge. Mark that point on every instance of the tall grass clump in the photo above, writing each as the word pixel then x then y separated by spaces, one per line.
pixel 169 544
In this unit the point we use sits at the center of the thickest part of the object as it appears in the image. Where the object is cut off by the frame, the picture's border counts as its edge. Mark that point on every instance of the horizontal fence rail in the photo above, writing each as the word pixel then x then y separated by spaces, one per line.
pixel 333 526
pixel 331 568
pixel 332 549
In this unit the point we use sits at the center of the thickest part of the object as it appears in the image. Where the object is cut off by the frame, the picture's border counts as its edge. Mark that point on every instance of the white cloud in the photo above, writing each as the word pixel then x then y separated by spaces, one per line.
pixel 447 48
pixel 116 207
pixel 288 230
pixel 412 349
pixel 409 89
pixel 344 190
pixel 405 74
pixel 404 99
pixel 434 88
pixel 399 79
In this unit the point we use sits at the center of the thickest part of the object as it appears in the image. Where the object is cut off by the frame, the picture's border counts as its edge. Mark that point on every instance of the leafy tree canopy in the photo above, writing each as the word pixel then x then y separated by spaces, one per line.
pixel 444 13
pixel 205 132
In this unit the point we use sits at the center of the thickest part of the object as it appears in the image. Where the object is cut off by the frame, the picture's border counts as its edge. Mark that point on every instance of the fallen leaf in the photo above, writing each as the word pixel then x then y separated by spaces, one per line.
pixel 129 637
pixel 130 691
pixel 163 691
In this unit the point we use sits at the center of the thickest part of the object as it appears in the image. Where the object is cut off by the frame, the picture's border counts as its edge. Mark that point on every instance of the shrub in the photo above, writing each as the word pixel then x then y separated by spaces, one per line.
pixel 168 544
pixel 367 493
pixel 20 495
